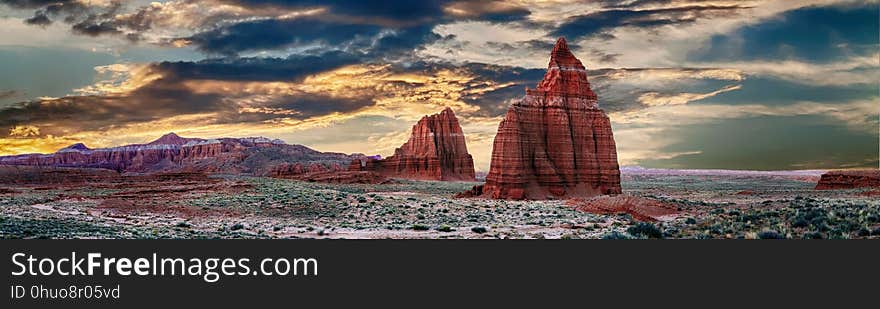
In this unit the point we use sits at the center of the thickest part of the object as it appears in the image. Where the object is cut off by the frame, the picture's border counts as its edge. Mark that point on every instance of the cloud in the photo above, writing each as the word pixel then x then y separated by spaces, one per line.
pixel 814 34
pixel 137 95
pixel 579 26
pixel 24 131
pixel 849 71
pixel 632 89
pixel 39 19
pixel 495 11
pixel 858 115
pixel 653 98
pixel 273 34
pixel 231 27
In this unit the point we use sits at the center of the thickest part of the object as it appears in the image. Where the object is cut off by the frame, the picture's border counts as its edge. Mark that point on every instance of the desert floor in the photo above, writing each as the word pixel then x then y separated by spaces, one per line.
pixel 185 206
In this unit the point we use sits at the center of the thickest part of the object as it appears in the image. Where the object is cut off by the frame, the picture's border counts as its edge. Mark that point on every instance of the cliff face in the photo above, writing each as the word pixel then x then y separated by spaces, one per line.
pixel 436 150
pixel 555 142
pixel 172 153
pixel 849 179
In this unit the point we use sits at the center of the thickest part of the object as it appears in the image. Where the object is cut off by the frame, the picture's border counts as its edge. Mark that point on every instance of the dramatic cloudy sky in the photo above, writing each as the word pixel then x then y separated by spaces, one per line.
pixel 687 83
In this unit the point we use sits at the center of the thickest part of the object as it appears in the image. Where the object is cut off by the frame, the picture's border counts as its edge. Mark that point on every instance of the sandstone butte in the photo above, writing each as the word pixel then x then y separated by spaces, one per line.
pixel 849 179
pixel 555 142
pixel 436 150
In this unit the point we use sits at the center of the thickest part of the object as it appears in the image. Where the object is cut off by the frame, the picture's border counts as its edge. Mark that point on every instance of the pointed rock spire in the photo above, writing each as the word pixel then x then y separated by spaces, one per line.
pixel 562 57
pixel 555 142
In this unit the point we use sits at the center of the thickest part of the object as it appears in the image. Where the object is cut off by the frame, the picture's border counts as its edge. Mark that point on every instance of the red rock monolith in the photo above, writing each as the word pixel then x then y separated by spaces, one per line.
pixel 436 150
pixel 555 142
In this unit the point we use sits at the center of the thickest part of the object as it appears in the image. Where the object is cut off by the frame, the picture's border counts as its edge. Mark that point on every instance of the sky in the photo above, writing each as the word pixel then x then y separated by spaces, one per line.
pixel 762 85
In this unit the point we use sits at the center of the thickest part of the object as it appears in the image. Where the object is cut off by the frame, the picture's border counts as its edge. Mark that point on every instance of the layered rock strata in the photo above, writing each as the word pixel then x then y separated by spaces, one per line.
pixel 436 150
pixel 172 153
pixel 555 142
pixel 849 179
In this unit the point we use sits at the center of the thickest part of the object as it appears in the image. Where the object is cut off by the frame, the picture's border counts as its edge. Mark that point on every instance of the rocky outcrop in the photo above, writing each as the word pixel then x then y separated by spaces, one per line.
pixel 640 208
pixel 172 153
pixel 296 169
pixel 849 179
pixel 436 150
pixel 319 173
pixel 555 142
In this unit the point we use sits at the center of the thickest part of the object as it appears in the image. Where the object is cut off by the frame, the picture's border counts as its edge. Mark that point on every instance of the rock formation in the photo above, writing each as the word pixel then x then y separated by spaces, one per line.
pixel 555 142
pixel 172 153
pixel 436 150
pixel 316 172
pixel 849 179
pixel 642 209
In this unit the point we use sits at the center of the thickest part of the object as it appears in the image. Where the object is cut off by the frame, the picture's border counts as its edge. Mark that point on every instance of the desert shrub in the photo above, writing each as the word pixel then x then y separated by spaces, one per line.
pixel 863 232
pixel 770 235
pixel 478 229
pixel 237 226
pixel 800 222
pixel 445 228
pixel 876 231
pixel 419 227
pixel 813 235
pixel 644 229
pixel 690 221
pixel 183 224
pixel 615 235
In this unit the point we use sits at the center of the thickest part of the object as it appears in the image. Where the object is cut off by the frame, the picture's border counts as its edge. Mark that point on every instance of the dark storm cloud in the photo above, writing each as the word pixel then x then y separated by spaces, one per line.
pixel 815 34
pixel 292 68
pixel 617 4
pixel 92 27
pixel 603 57
pixel 163 99
pixel 85 19
pixel 33 4
pixel 397 27
pixel 495 102
pixel 305 106
pixel 39 19
pixel 350 25
pixel 367 40
pixel 401 10
pixel 599 22
pixel 404 12
pixel 158 100
pixel 170 96
pixel 272 34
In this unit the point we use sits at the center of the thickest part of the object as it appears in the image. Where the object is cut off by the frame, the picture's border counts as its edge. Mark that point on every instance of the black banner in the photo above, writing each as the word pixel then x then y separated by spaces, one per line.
pixel 453 273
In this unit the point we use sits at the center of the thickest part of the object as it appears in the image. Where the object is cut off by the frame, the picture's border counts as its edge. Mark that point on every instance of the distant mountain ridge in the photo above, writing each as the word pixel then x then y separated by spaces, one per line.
pixel 172 153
